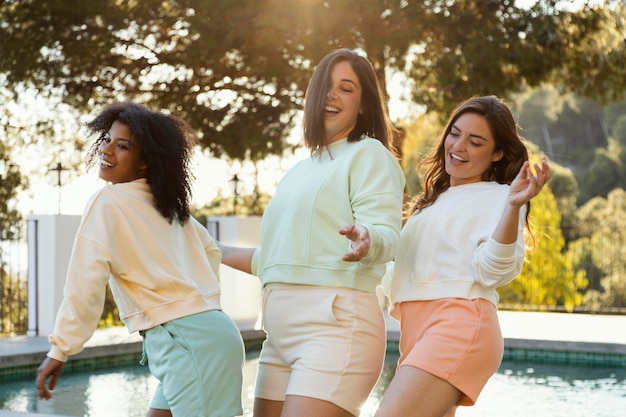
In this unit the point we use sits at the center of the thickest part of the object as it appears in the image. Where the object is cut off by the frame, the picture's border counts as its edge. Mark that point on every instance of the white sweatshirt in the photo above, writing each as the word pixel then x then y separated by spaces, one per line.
pixel 446 250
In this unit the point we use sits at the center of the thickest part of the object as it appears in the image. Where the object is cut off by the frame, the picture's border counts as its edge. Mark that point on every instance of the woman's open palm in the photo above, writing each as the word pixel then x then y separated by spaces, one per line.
pixel 527 184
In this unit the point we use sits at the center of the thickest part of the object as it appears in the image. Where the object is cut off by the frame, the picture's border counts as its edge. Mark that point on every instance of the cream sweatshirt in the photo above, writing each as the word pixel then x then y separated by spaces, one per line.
pixel 157 271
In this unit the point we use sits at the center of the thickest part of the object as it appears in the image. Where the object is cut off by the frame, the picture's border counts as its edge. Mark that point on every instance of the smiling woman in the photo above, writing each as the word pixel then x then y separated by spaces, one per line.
pixel 138 237
pixel 343 206
pixel 120 155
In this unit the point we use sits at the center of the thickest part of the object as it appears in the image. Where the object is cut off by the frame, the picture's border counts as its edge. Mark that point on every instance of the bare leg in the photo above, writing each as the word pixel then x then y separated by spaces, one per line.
pixel 298 406
pixel 157 412
pixel 416 393
pixel 267 408
pixel 451 412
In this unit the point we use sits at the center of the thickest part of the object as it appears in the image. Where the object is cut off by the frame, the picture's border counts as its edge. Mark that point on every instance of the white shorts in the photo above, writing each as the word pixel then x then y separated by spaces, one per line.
pixel 322 342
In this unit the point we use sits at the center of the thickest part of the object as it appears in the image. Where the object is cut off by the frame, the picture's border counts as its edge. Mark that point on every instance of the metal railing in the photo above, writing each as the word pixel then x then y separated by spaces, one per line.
pixel 13 286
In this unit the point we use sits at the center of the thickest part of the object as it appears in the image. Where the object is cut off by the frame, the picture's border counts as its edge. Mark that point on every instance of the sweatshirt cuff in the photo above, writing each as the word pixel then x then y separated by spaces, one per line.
pixel 58 354
pixel 375 242
pixel 254 264
pixel 500 250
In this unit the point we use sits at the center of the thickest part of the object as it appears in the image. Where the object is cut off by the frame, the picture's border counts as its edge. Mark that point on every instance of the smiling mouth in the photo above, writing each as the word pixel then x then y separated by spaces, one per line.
pixel 457 158
pixel 105 163
pixel 331 109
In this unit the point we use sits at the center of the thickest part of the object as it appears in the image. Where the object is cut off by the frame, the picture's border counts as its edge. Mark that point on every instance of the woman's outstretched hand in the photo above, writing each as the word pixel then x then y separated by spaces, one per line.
pixel 527 184
pixel 360 242
pixel 49 368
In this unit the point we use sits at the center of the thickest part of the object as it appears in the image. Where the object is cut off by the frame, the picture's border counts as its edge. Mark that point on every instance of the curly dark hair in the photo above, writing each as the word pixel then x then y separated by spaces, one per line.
pixel 166 147
pixel 373 122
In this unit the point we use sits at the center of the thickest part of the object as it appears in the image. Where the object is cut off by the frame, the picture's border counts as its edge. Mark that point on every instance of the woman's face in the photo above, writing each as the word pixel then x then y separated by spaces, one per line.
pixel 469 149
pixel 120 156
pixel 343 102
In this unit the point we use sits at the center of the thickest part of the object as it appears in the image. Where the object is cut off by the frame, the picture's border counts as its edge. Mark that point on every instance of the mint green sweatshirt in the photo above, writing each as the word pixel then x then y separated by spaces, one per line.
pixel 351 182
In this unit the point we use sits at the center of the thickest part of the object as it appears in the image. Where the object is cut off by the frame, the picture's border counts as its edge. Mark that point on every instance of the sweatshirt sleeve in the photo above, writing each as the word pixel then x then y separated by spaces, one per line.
pixel 376 191
pixel 213 253
pixel 496 264
pixel 83 299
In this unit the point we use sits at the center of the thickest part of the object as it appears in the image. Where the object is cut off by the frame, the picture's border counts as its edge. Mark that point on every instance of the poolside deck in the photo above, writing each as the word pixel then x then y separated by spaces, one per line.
pixel 531 336
pixel 580 333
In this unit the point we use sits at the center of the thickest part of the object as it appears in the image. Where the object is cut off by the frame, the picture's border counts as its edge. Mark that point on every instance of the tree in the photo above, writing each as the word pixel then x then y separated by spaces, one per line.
pixel 202 60
pixel 493 47
pixel 564 126
pixel 601 250
pixel 11 182
pixel 619 130
pixel 605 173
pixel 594 65
pixel 548 276
pixel 564 187
pixel 422 135
pixel 237 70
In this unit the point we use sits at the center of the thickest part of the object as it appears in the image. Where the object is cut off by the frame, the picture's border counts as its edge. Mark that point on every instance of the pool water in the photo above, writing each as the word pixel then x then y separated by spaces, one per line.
pixel 517 390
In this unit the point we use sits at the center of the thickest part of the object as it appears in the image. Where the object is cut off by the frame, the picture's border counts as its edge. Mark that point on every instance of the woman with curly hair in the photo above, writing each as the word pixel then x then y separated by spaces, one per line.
pixel 137 235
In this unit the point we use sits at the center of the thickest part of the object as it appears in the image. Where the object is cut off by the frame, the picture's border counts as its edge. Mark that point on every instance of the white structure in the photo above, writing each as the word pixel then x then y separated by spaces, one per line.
pixel 50 241
pixel 241 292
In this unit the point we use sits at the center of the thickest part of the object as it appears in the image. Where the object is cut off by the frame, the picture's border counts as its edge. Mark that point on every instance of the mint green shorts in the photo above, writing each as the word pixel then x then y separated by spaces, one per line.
pixel 198 361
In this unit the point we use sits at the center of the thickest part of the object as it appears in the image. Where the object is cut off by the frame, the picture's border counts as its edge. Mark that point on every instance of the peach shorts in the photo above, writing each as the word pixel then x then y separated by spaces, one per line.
pixel 322 342
pixel 457 340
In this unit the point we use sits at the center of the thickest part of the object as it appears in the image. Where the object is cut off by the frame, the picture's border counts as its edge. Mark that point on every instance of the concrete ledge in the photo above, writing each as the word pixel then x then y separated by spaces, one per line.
pixel 565 346
pixel 28 351
pixel 4 413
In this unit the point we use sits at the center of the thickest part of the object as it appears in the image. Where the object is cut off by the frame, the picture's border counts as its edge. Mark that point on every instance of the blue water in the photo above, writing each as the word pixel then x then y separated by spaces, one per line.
pixel 517 390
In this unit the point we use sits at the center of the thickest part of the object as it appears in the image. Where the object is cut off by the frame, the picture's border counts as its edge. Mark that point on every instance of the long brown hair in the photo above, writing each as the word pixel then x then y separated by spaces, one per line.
pixel 373 121
pixel 504 130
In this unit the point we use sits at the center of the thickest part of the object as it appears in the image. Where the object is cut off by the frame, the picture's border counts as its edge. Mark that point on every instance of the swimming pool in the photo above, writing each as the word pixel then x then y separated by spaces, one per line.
pixel 517 390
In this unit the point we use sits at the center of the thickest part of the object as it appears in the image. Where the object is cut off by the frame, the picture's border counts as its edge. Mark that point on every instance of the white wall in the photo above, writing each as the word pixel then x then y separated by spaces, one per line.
pixel 50 241
pixel 241 292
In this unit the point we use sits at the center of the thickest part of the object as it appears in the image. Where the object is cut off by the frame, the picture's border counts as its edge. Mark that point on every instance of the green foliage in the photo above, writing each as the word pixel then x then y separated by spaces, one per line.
pixel 11 182
pixel 579 135
pixel 247 205
pixel 605 173
pixel 110 313
pixel 13 308
pixel 548 276
pixel 601 248
pixel 619 130
pixel 237 70
pixel 206 61
pixel 564 187
pixel 594 65
pixel 613 113
pixel 565 127
pixel 421 135
pixel 491 47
